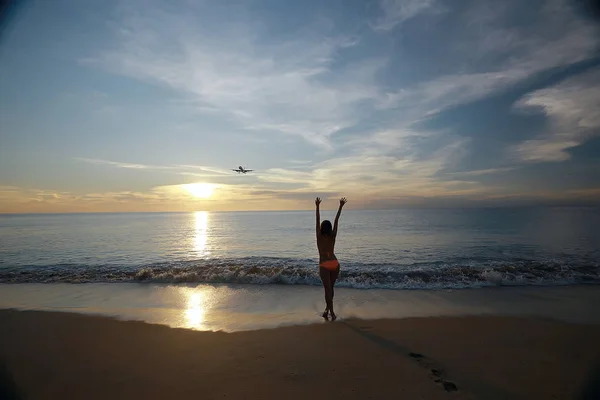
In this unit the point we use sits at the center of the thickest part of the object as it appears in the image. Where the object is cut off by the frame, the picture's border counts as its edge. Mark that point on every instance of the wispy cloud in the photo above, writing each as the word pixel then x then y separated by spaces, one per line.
pixel 204 168
pixel 121 164
pixel 8 189
pixel 282 86
pixel 281 175
pixel 572 108
pixel 188 170
pixel 495 53
pixel 591 192
pixel 372 171
pixel 395 12
pixel 479 172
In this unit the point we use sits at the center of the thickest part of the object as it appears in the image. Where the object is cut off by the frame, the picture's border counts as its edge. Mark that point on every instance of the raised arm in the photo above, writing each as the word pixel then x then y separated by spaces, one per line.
pixel 318 230
pixel 337 216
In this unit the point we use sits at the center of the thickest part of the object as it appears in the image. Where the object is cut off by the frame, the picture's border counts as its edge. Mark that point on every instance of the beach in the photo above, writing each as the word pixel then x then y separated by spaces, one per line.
pixel 487 304
pixel 163 341
pixel 51 355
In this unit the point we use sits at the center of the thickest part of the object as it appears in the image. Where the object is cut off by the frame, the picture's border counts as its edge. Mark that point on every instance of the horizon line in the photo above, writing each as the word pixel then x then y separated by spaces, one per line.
pixel 472 207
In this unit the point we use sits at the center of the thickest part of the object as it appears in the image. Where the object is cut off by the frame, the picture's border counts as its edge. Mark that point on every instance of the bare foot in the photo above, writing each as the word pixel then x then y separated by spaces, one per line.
pixel 333 316
pixel 325 314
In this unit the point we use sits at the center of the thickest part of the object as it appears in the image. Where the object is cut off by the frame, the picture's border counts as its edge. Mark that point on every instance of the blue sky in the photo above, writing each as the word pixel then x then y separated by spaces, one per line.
pixel 118 105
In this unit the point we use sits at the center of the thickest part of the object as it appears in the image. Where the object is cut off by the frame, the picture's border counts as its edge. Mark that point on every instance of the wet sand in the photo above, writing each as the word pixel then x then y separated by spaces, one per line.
pixel 51 355
pixel 233 308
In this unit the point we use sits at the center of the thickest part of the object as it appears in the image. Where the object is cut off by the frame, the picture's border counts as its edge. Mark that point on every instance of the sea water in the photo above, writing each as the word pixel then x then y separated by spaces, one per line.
pixel 385 249
pixel 248 270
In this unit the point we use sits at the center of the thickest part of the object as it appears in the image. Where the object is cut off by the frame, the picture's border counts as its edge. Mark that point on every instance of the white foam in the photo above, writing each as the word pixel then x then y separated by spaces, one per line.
pixel 262 271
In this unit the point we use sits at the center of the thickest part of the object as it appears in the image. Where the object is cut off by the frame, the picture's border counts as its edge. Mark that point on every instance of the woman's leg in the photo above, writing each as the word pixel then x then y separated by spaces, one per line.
pixel 326 279
pixel 333 275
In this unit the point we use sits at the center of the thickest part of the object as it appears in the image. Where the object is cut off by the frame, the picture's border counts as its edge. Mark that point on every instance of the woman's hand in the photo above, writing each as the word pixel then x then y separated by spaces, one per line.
pixel 318 201
pixel 343 201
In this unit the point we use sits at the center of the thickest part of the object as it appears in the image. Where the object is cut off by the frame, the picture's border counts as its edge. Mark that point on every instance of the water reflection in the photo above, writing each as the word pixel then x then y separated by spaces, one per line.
pixel 195 310
pixel 201 232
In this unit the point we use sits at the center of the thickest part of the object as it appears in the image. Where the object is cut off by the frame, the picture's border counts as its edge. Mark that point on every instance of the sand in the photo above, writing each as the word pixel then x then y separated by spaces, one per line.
pixel 50 355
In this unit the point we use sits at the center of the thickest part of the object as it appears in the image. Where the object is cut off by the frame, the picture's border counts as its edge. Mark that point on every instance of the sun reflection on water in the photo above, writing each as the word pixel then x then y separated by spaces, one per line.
pixel 195 310
pixel 201 232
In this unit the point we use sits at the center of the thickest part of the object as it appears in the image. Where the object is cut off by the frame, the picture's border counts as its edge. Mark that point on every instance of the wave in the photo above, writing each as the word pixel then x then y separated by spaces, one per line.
pixel 304 272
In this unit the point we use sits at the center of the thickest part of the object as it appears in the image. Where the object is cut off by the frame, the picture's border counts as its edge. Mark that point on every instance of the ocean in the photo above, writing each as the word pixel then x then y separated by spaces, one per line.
pixel 383 249
pixel 234 271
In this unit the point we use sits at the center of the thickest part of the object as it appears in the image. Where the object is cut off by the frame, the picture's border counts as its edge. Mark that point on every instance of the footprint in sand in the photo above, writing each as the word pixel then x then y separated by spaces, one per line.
pixel 436 373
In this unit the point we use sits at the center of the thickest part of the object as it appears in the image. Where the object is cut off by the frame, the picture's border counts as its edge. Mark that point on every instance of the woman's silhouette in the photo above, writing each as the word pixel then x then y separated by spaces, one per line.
pixel 329 267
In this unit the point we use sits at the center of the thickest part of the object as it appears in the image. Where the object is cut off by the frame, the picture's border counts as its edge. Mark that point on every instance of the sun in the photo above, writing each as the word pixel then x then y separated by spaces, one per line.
pixel 200 190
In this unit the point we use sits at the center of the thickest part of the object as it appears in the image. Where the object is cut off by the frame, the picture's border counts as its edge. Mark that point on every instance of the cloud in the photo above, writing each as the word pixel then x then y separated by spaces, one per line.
pixel 479 172
pixel 300 161
pixel 382 142
pixel 572 109
pixel 371 173
pixel 591 192
pixel 450 90
pixel 395 12
pixel 485 52
pixel 540 150
pixel 375 167
pixel 282 175
pixel 391 164
pixel 179 169
pixel 299 196
pixel 204 168
pixel 121 164
pixel 159 198
pixel 234 69
pixel 6 190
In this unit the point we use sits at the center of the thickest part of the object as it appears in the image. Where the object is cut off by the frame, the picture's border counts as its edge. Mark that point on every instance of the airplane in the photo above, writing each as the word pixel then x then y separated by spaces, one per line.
pixel 242 170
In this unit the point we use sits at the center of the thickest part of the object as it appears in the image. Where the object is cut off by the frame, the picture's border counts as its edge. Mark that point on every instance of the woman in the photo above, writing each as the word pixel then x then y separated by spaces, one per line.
pixel 329 267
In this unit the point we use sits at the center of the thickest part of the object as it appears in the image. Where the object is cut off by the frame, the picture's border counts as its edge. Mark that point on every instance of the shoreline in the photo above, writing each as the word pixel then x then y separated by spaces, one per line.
pixel 70 355
pixel 234 307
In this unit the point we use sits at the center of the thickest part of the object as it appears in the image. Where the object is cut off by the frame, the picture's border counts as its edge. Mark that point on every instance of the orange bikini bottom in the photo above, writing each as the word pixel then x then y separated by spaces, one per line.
pixel 330 264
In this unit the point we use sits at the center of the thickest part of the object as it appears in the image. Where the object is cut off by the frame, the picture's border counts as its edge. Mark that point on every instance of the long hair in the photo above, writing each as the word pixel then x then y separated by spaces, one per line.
pixel 326 228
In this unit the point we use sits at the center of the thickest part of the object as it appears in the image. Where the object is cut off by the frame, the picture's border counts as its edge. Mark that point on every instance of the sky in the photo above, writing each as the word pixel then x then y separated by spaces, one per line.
pixel 109 106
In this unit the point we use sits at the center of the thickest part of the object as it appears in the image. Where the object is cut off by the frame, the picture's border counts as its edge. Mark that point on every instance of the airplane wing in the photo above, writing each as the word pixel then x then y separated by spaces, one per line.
pixel 236 170
pixel 248 170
